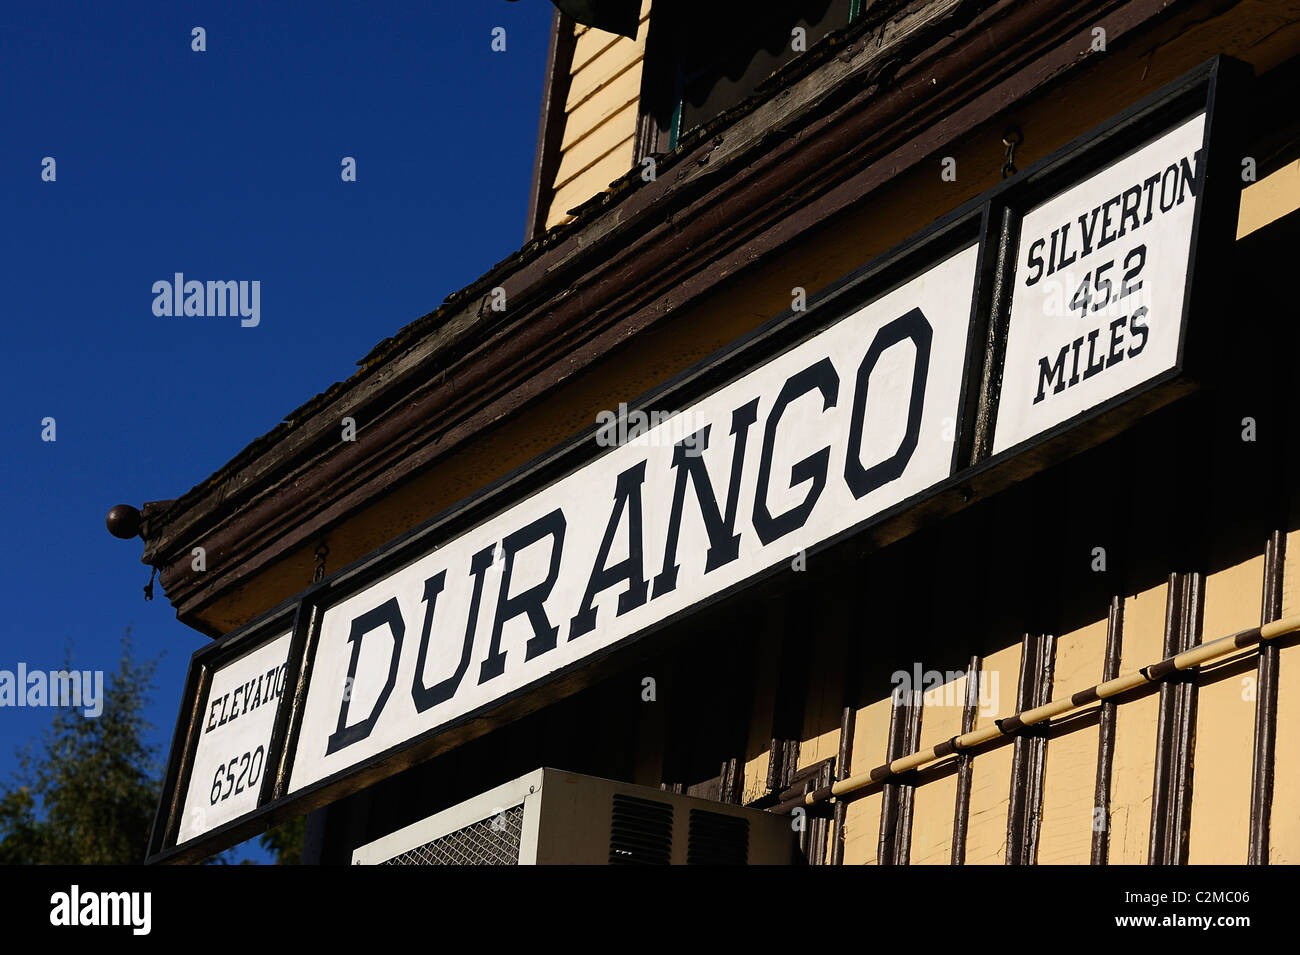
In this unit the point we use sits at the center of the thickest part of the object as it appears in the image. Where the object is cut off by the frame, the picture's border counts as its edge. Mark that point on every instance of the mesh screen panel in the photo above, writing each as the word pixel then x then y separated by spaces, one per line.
pixel 491 841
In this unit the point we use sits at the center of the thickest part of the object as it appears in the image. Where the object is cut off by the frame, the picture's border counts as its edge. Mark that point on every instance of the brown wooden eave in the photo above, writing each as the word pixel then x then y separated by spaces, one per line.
pixel 890 93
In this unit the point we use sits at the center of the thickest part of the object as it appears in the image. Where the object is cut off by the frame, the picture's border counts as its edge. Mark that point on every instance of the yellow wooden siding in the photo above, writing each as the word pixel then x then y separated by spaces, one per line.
pixel 585 186
pixel 597 145
pixel 1270 199
pixel 1133 764
pixel 990 789
pixel 612 141
pixel 602 70
pixel 589 151
pixel 590 44
pixel 1225 722
pixel 862 819
pixel 1284 821
pixel 824 703
pixel 1069 780
pixel 591 116
pixel 758 745
pixel 935 796
pixel 1284 824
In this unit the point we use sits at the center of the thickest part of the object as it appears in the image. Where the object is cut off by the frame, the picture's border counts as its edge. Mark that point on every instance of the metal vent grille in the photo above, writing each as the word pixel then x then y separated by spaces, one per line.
pixel 715 839
pixel 491 841
pixel 640 832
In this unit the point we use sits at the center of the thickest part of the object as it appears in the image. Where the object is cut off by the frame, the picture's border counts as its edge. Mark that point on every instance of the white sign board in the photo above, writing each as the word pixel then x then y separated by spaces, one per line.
pixel 234 739
pixel 858 424
pixel 820 438
pixel 1099 286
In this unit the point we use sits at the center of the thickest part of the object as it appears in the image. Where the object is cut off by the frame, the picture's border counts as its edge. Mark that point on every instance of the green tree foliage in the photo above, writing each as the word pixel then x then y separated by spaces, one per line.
pixel 85 792
pixel 88 794
pixel 285 842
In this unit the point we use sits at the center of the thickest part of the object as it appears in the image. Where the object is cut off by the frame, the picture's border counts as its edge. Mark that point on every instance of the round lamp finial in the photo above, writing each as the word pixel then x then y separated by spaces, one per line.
pixel 123 521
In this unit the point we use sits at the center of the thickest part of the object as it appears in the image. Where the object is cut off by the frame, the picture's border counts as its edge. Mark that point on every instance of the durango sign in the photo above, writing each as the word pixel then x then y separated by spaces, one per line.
pixel 906 389
pixel 816 440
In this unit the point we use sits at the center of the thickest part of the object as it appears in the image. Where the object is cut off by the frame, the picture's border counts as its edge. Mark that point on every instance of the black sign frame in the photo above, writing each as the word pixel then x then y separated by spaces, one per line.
pixel 991 220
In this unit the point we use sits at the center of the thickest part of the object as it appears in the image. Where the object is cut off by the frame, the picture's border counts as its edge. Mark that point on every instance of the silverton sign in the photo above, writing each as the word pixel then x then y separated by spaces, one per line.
pixel 878 404
pixel 1100 285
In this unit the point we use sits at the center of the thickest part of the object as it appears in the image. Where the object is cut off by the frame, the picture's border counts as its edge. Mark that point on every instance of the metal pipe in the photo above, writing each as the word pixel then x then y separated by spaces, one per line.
pixel 1008 726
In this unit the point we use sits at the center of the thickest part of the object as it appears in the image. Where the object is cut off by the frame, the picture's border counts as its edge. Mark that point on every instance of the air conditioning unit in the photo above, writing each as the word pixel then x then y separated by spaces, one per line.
pixel 552 817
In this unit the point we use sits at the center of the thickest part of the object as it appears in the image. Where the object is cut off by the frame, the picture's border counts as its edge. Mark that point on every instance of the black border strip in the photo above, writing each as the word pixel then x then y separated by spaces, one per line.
pixel 1106 734
pixel 1171 800
pixel 894 846
pixel 1165 728
pixel 1185 742
pixel 1261 784
pixel 965 767
pixel 1025 801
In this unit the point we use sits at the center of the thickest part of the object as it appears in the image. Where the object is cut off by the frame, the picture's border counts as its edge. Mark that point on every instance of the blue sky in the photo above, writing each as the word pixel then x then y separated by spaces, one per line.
pixel 223 164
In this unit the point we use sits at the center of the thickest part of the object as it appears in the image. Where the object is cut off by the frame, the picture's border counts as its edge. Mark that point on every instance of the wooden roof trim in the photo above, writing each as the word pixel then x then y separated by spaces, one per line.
pixel 383 367
pixel 591 288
